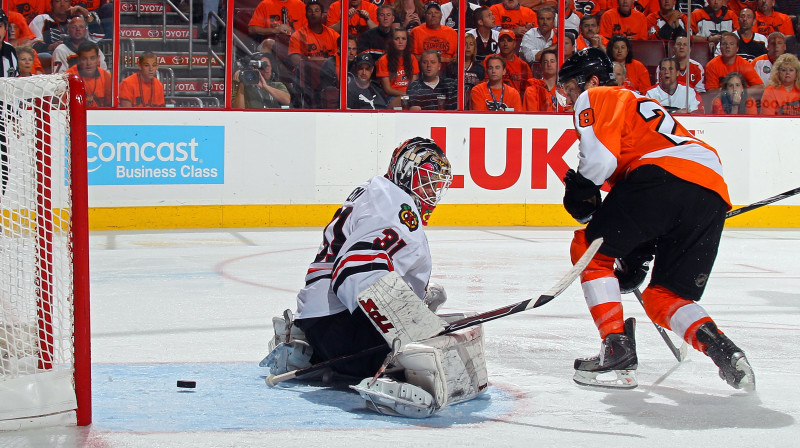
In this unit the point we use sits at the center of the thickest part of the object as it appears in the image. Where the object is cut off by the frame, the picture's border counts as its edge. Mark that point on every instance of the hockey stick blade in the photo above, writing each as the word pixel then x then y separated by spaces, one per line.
pixel 680 354
pixel 551 294
pixel 761 203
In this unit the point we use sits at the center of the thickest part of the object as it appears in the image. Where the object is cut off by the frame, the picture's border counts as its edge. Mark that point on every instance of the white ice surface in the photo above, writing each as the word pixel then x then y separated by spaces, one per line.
pixel 204 301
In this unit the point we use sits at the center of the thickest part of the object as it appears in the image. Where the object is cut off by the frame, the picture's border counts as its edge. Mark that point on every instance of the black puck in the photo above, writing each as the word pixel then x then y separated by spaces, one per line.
pixel 187 384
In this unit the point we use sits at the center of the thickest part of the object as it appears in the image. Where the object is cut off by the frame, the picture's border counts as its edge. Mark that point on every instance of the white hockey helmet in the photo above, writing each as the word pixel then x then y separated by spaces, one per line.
pixel 421 169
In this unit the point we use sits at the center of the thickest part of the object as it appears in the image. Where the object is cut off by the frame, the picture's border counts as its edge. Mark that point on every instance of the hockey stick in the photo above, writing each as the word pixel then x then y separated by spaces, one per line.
pixel 680 354
pixel 549 295
pixel 273 380
pixel 763 202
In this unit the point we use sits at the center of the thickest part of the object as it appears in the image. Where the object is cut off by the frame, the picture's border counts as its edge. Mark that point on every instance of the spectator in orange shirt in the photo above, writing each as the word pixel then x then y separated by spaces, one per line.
pixel 591 7
pixel 624 21
pixel 96 81
pixel 277 17
pixel 638 78
pixel 768 20
pixel 143 89
pixel 362 14
pixel 537 97
pixel 494 94
pixel 397 68
pixel 729 61
pixel 737 5
pixel 510 15
pixel 432 35
pixel 733 98
pixel 710 22
pixel 517 71
pixel 19 33
pixel 314 41
pixel 782 95
pixel 667 23
pixel 29 8
pixel 589 36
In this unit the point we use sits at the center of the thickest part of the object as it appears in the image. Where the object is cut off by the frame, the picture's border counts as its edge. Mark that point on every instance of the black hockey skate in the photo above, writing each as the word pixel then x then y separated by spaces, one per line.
pixel 733 365
pixel 617 356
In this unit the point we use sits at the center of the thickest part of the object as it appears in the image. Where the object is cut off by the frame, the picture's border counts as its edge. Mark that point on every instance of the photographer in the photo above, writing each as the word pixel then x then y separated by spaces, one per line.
pixel 255 87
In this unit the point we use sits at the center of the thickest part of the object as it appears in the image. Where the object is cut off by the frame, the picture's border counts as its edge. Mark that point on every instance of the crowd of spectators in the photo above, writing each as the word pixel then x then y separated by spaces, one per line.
pixel 58 36
pixel 403 54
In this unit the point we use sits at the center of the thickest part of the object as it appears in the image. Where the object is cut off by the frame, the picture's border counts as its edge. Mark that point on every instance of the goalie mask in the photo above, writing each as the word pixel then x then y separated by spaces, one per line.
pixel 421 169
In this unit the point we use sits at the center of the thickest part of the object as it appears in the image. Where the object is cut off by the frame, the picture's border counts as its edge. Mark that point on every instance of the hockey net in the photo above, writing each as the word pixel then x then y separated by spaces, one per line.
pixel 44 314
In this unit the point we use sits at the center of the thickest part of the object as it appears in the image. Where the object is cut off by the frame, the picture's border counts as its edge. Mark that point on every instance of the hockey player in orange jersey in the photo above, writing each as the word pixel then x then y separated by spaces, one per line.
pixel 668 200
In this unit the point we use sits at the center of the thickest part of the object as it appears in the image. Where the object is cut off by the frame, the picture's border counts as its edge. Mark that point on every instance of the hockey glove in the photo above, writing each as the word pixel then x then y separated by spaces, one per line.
pixel 581 196
pixel 631 270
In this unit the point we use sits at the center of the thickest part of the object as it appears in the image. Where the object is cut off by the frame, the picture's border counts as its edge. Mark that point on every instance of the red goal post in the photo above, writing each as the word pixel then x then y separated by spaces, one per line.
pixel 45 351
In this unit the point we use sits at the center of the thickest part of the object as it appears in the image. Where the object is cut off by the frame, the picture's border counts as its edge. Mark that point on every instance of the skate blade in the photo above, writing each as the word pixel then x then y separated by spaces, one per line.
pixel 610 379
pixel 748 382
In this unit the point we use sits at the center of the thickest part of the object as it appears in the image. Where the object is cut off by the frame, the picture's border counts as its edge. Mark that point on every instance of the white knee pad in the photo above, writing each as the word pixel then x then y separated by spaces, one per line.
pixel 452 367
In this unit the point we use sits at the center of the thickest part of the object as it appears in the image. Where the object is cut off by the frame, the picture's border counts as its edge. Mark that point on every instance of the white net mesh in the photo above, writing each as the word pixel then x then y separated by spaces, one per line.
pixel 36 317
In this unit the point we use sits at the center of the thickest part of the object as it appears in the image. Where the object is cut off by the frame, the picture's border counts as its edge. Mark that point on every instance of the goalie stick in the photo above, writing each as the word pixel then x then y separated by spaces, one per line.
pixel 487 316
pixel 680 354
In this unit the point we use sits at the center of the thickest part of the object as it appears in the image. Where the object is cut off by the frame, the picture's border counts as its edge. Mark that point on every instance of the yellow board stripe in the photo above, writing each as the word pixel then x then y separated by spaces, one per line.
pixel 489 215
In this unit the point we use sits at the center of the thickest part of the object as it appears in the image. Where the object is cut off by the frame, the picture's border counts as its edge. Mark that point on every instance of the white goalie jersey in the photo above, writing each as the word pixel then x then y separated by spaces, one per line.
pixel 377 230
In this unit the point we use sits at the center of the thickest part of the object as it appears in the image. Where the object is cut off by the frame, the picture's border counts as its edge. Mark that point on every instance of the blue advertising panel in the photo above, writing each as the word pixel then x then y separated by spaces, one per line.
pixel 156 155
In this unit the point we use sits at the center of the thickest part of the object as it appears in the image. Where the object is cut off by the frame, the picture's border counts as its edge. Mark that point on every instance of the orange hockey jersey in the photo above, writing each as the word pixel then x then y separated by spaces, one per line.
pixel 620 131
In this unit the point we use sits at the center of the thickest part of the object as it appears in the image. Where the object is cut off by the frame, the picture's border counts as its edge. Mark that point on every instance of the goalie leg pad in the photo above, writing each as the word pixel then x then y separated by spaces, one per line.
pixel 389 397
pixel 451 367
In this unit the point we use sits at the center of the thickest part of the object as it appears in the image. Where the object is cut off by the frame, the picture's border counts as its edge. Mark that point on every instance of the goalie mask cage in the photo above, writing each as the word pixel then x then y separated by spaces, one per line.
pixel 45 374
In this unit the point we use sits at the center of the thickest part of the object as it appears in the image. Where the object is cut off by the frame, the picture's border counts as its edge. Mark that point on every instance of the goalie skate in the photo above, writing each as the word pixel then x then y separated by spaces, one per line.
pixel 615 365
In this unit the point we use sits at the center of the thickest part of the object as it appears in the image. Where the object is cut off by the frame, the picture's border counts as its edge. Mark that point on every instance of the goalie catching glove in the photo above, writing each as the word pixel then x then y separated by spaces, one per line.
pixel 631 270
pixel 581 196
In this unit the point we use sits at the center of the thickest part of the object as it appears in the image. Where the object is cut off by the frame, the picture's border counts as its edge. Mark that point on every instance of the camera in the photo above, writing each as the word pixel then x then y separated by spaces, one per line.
pixel 251 76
